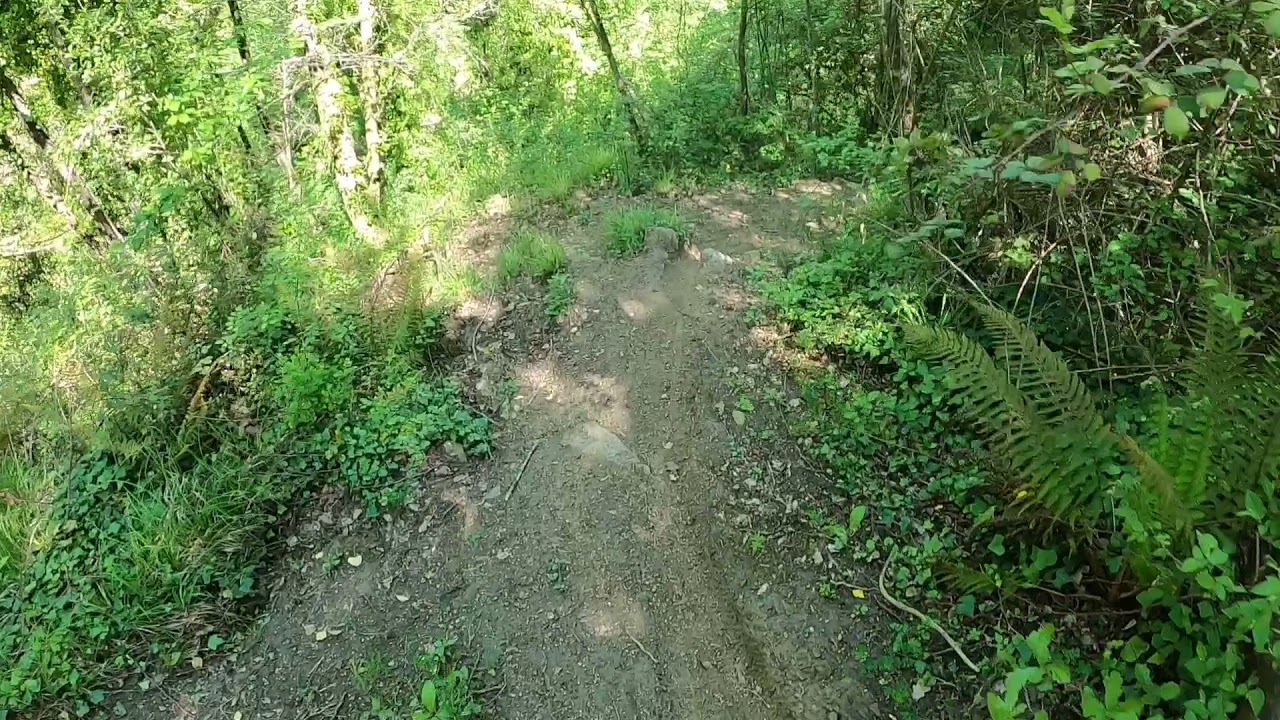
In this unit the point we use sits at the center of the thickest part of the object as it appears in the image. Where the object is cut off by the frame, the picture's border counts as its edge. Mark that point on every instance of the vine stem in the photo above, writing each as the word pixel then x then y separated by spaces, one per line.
pixel 922 617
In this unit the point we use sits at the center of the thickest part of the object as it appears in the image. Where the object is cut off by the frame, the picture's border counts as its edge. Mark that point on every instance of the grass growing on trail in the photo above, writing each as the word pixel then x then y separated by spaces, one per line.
pixel 625 229
pixel 560 296
pixel 533 254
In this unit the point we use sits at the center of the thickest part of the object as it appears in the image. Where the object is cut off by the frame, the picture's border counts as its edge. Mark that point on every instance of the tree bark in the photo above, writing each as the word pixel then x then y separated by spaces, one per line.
pixel 744 83
pixel 628 96
pixel 897 70
pixel 62 179
pixel 45 185
pixel 815 95
pixel 336 126
pixel 241 35
pixel 370 100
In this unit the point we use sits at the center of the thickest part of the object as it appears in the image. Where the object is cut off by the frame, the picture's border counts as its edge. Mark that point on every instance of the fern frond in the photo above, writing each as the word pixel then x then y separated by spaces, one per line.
pixel 1059 454
pixel 1041 374
pixel 1262 471
pixel 967 580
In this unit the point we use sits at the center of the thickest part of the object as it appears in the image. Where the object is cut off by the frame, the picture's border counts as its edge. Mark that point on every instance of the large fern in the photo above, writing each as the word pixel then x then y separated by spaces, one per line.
pixel 1034 411
pixel 1208 446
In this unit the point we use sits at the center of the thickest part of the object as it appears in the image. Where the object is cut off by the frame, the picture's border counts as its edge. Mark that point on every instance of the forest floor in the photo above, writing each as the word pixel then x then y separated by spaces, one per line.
pixel 635 546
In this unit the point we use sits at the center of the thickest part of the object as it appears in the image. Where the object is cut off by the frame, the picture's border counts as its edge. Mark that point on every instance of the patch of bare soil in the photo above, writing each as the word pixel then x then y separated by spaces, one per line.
pixel 596 567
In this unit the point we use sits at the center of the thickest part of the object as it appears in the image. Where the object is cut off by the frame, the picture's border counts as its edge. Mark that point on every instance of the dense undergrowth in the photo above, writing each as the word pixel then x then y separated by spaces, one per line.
pixel 230 246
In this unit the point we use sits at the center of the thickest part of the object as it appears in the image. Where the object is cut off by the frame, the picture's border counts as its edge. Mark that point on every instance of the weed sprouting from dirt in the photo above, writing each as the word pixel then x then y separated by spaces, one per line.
pixel 532 254
pixel 625 229
pixel 560 296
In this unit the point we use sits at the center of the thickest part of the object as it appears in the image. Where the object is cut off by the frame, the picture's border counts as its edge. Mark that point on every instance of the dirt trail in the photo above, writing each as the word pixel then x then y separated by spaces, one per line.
pixel 614 582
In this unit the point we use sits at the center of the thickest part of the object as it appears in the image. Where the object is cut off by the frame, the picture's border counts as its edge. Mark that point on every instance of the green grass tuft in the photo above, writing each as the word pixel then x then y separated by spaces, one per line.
pixel 532 254
pixel 560 296
pixel 625 229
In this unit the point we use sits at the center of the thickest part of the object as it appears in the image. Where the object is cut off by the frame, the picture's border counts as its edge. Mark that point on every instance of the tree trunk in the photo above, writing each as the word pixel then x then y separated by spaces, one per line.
pixel 61 179
pixel 629 101
pixel 42 182
pixel 897 66
pixel 336 126
pixel 744 83
pixel 815 95
pixel 370 100
pixel 241 35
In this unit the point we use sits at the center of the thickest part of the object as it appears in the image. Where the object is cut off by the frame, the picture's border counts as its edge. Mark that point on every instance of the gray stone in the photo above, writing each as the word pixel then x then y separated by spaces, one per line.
pixel 599 446
pixel 664 238
pixel 715 261
pixel 455 451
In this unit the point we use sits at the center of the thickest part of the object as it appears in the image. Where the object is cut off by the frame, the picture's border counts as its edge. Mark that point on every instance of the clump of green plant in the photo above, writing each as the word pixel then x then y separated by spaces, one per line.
pixel 625 229
pixel 531 254
pixel 446 693
pixel 560 296
pixel 1192 496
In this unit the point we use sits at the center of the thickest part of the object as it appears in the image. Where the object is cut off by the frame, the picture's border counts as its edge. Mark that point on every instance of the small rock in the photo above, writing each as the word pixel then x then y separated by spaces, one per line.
pixel 355 561
pixel 665 238
pixel 455 451
pixel 739 417
pixel 715 261
pixel 493 493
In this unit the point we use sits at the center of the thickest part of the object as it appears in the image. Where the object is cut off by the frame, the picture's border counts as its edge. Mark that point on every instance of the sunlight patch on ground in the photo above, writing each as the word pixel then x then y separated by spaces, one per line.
pixel 616 615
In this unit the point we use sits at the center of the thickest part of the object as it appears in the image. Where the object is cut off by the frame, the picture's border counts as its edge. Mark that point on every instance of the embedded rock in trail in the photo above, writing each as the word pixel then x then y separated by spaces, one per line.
pixel 664 238
pixel 713 261
pixel 597 445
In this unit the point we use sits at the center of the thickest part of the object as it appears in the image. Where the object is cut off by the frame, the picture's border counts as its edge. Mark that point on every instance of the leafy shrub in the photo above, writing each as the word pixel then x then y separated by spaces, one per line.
pixel 1193 500
pixel 625 229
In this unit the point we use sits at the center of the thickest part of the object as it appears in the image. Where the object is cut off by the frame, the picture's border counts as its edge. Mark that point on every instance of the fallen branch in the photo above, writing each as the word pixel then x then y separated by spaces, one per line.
pixel 520 474
pixel 922 617
pixel 643 649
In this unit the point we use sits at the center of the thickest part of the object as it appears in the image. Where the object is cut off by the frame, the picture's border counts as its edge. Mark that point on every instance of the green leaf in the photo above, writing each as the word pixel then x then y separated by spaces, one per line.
pixel 1091 706
pixel 1242 82
pixel 1254 507
pixel 216 641
pixel 1101 84
pixel 965 606
pixel 1169 691
pixel 1263 6
pixel 1053 18
pixel 1268 588
pixel 427 697
pixel 1038 643
pixel 1272 23
pixel 1256 700
pixel 856 516
pixel 1211 98
pixel 1176 122
pixel 997 545
pixel 1092 172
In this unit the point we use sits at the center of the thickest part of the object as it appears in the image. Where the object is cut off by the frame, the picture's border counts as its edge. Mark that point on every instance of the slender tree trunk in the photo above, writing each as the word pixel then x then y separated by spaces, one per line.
pixel 629 101
pixel 336 127
pixel 897 66
pixel 815 96
pixel 744 83
pixel 42 182
pixel 63 179
pixel 371 100
pixel 241 34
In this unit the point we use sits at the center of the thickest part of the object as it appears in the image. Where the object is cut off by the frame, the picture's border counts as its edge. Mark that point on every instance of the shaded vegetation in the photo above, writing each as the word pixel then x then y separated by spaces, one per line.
pixel 228 246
